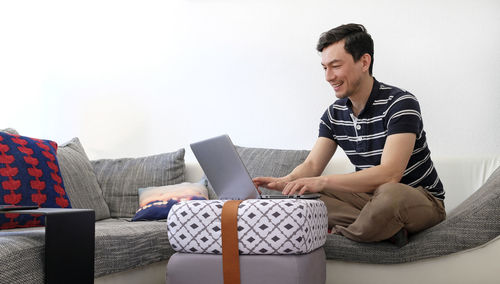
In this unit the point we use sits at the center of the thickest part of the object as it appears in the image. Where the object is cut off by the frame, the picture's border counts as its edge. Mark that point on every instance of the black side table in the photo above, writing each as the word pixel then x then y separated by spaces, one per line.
pixel 69 244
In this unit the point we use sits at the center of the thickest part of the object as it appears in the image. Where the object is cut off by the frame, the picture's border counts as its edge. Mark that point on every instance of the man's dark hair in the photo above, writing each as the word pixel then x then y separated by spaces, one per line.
pixel 357 41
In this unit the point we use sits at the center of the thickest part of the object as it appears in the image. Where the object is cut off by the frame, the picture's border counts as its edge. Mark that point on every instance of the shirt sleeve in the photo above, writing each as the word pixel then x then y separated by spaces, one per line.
pixel 325 126
pixel 403 116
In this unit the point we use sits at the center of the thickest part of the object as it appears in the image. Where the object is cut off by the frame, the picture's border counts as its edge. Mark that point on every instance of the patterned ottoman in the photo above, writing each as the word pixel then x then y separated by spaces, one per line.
pixel 277 239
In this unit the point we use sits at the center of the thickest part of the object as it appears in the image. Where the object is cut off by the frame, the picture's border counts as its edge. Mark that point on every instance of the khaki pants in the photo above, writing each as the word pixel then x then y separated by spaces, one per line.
pixel 377 216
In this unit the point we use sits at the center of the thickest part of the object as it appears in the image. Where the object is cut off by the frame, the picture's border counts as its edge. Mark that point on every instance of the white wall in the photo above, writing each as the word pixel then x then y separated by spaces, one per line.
pixel 133 78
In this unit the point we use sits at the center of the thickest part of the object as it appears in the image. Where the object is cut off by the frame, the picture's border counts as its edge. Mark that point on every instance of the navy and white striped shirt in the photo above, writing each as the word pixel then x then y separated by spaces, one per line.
pixel 388 111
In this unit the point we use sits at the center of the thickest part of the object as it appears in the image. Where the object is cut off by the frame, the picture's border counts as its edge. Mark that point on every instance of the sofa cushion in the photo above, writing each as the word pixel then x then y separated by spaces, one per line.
pixel 120 179
pixel 9 130
pixel 155 202
pixel 29 175
pixel 80 180
pixel 270 162
pixel 122 245
pixel 22 253
pixel 471 224
pixel 119 245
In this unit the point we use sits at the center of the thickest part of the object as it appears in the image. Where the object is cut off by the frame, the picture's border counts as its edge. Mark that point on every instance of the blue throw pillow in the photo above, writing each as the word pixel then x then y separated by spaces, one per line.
pixel 29 175
pixel 155 202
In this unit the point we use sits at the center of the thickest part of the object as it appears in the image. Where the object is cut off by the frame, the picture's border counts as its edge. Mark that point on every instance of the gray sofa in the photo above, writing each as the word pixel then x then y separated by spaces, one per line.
pixel 138 250
pixel 110 188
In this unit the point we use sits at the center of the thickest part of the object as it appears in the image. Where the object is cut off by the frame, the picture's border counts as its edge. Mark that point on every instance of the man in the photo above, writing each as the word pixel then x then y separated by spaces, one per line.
pixel 395 189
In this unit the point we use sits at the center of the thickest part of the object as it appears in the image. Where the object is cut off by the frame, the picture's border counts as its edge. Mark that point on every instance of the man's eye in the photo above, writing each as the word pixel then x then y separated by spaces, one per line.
pixel 336 66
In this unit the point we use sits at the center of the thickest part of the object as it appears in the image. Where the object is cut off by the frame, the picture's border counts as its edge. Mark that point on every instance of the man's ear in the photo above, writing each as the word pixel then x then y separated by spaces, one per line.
pixel 366 60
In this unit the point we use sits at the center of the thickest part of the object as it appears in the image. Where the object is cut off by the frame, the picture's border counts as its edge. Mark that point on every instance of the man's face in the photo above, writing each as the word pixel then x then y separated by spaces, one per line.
pixel 343 74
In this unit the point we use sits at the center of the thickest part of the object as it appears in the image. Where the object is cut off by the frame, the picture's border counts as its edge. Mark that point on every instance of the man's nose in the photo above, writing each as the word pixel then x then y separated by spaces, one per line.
pixel 329 75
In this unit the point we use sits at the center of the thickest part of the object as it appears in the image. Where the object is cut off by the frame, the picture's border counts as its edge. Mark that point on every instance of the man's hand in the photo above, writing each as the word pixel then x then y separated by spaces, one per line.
pixel 313 166
pixel 305 185
pixel 287 187
pixel 271 182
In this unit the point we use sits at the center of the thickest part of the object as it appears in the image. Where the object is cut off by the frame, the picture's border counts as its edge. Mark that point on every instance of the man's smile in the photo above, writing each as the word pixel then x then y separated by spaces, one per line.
pixel 336 85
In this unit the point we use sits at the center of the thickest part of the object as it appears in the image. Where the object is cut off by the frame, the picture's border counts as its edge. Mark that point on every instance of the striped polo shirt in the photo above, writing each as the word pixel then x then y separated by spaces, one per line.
pixel 388 111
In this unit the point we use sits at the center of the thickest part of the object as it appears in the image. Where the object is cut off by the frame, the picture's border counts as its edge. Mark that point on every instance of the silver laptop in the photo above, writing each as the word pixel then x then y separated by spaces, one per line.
pixel 226 172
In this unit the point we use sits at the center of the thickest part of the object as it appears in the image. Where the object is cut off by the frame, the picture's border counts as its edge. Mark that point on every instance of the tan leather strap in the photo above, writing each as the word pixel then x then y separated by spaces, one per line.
pixel 230 254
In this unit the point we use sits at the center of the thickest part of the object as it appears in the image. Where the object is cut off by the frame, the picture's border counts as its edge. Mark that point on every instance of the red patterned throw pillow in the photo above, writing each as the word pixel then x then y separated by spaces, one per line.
pixel 29 175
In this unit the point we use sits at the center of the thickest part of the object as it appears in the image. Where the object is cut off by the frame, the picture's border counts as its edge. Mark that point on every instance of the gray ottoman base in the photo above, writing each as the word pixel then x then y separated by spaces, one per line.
pixel 188 268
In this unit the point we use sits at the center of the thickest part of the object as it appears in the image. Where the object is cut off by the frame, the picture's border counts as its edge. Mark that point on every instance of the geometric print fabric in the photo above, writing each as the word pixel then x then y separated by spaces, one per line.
pixel 274 226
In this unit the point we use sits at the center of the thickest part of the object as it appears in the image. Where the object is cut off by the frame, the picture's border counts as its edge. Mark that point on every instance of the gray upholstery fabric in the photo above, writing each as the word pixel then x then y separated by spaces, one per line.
pixel 22 252
pixel 9 130
pixel 122 245
pixel 188 268
pixel 270 162
pixel 119 245
pixel 472 223
pixel 80 180
pixel 120 179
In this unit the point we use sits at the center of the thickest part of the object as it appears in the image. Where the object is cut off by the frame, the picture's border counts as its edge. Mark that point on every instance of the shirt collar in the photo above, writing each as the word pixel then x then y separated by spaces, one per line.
pixel 371 98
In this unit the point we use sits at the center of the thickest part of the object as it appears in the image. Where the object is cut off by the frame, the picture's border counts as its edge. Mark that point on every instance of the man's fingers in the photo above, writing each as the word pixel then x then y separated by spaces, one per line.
pixel 303 190
pixel 270 183
pixel 295 188
pixel 276 185
pixel 290 188
pixel 260 181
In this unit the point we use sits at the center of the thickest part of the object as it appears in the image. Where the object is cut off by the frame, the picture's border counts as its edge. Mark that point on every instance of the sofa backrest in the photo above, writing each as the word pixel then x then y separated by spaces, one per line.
pixel 461 176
